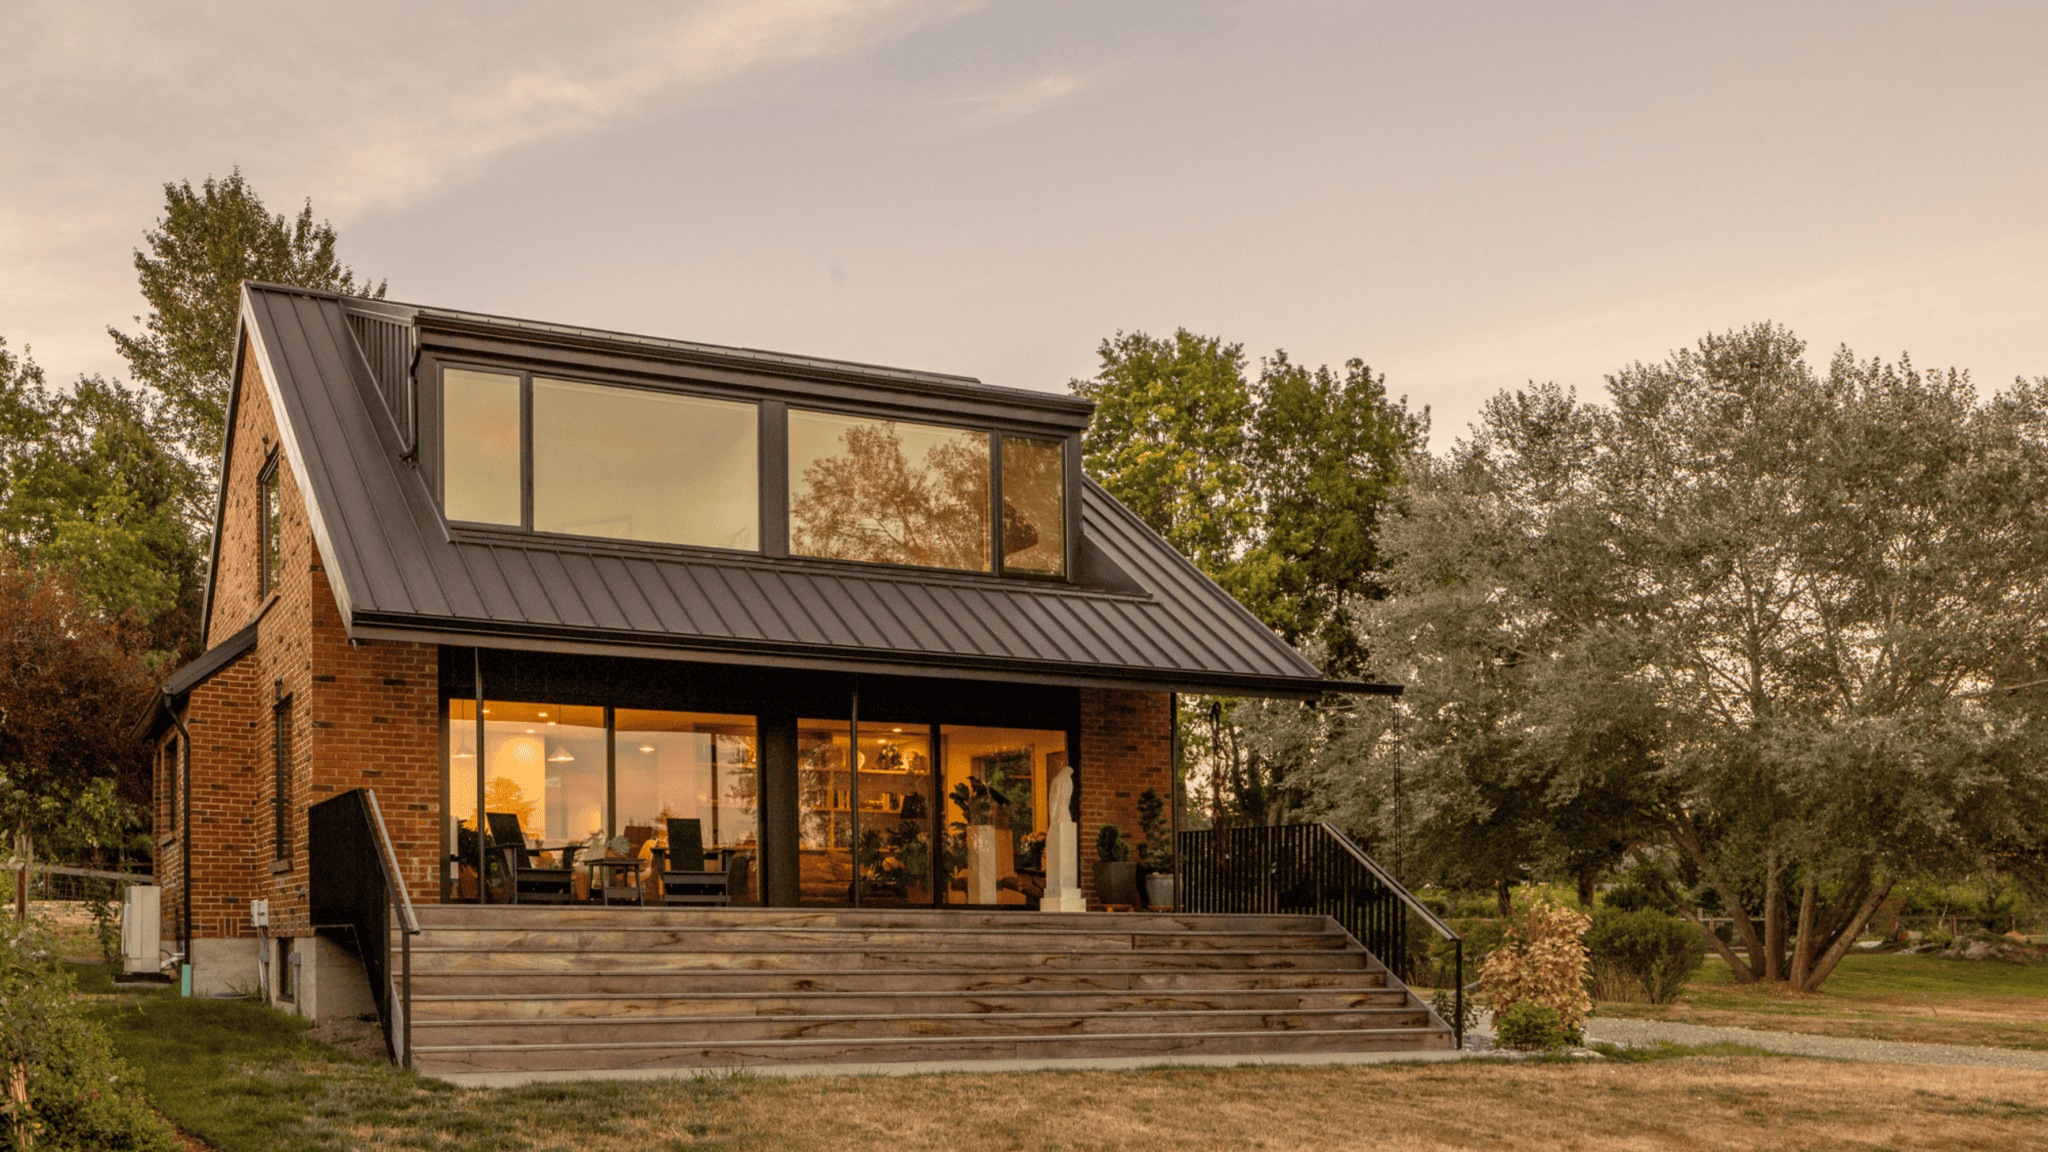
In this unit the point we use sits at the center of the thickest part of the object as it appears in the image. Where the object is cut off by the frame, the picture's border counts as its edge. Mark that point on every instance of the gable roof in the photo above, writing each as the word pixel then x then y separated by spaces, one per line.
pixel 1140 616
pixel 174 691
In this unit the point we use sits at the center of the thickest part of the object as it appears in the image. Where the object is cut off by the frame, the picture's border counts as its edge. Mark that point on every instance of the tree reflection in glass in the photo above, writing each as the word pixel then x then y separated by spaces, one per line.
pixel 888 492
pixel 1034 506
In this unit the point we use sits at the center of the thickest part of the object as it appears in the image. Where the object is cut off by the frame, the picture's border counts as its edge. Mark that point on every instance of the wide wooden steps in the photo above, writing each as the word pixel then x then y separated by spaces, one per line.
pixel 587 991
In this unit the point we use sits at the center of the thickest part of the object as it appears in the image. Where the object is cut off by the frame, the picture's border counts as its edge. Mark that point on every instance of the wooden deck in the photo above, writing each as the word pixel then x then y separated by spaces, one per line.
pixel 592 991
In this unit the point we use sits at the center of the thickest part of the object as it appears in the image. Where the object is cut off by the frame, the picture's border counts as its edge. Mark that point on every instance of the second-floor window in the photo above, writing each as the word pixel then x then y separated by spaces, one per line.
pixel 269 528
pixel 534 453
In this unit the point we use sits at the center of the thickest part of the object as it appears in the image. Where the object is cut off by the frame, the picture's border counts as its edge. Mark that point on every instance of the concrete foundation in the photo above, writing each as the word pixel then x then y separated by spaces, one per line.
pixel 222 967
pixel 330 982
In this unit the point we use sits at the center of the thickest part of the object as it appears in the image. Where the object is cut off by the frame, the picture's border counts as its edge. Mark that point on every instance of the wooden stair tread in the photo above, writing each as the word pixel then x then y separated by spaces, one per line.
pixel 1336 1033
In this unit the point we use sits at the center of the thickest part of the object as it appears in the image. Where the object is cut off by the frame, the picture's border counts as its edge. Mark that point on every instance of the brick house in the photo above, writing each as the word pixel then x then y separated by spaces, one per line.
pixel 599 582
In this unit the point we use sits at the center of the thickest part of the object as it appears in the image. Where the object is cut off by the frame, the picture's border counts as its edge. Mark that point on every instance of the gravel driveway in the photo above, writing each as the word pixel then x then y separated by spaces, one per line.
pixel 1643 1033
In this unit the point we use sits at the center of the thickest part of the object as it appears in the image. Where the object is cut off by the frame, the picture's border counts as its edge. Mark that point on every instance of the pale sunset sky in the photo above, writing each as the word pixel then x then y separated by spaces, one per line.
pixel 1467 196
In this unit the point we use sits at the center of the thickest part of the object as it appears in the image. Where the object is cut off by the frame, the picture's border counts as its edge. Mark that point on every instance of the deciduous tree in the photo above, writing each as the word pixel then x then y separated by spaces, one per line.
pixel 1785 622
pixel 208 241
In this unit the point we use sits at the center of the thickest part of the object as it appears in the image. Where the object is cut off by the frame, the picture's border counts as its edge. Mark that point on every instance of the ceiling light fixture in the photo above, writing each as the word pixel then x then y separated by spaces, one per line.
pixel 647 747
pixel 560 756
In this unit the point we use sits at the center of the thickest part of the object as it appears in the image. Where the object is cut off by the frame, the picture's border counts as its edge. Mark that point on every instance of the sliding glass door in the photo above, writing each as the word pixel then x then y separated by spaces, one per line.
pixel 865 823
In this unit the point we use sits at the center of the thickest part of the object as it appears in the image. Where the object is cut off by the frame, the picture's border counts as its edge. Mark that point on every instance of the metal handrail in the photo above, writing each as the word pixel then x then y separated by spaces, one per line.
pixel 387 859
pixel 1418 907
pixel 409 924
pixel 1282 869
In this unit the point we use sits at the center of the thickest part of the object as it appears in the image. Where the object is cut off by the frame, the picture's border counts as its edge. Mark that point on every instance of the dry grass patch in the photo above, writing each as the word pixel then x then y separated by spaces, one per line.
pixel 1703 1102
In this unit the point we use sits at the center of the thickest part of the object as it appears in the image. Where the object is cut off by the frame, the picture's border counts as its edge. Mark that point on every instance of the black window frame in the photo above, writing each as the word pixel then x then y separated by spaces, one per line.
pixel 269 526
pixel 170 771
pixel 772 460
pixel 282 781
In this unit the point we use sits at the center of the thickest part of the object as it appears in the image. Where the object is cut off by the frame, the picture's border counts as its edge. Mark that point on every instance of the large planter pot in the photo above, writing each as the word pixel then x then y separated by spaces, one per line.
pixel 1117 883
pixel 1159 890
pixel 984 866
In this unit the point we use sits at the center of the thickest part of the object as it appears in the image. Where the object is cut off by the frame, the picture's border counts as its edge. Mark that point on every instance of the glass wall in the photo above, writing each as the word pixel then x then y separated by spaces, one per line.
pixel 1034 506
pixel 543 763
pixel 996 782
pixel 546 766
pixel 631 464
pixel 890 801
pixel 480 457
pixel 686 766
pixel 888 491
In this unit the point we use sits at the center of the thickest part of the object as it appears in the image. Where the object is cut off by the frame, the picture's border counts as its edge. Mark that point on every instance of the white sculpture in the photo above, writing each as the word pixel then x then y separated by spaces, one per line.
pixel 1062 850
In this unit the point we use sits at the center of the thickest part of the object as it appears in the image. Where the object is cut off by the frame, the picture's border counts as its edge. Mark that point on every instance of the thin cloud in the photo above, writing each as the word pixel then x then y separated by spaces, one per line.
pixel 370 110
pixel 1024 100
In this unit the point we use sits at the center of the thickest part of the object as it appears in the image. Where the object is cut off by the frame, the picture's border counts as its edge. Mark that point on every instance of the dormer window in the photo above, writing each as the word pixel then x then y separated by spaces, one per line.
pixel 480 447
pixel 631 464
pixel 887 491
pixel 649 464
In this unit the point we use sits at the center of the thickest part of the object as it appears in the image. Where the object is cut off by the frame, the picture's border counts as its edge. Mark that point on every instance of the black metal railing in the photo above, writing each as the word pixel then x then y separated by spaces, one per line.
pixel 353 884
pixel 1316 870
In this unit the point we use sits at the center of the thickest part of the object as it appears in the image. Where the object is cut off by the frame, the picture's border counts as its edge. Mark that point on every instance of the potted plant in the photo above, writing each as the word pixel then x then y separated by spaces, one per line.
pixel 1116 874
pixel 1156 855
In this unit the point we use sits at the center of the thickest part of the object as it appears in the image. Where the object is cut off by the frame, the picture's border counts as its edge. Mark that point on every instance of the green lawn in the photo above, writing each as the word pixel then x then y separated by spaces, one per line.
pixel 1931 999
pixel 1876 977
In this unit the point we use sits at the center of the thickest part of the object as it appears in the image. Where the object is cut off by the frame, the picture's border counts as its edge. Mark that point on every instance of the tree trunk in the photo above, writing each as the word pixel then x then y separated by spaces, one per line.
pixel 1750 970
pixel 1803 948
pixel 25 848
pixel 1735 963
pixel 1840 948
pixel 1589 877
pixel 1774 920
pixel 1501 900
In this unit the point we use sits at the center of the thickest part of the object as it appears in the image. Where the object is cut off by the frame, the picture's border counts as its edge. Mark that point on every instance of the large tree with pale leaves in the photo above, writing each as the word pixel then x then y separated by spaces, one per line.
pixel 1789 625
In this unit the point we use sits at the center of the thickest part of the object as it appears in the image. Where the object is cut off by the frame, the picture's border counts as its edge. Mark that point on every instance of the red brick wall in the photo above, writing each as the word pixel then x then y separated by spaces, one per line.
pixel 362 715
pixel 1126 747
pixel 224 768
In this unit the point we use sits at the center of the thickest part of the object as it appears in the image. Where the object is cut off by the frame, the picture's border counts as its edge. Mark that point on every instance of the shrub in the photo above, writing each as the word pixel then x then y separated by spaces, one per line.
pixel 1110 846
pixel 79 1095
pixel 1644 950
pixel 1533 1028
pixel 1541 960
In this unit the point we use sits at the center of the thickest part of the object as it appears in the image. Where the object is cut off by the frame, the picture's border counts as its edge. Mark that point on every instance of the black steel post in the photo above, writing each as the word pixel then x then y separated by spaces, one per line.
pixel 477 674
pixel 853 783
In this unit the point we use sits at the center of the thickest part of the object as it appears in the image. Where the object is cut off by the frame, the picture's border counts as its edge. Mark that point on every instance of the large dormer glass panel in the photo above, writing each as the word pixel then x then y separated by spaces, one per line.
pixel 630 464
pixel 480 477
pixel 1034 507
pixel 888 491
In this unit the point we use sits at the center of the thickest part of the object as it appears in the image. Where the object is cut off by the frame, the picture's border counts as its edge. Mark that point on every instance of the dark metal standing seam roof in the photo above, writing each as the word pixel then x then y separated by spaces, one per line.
pixel 398 571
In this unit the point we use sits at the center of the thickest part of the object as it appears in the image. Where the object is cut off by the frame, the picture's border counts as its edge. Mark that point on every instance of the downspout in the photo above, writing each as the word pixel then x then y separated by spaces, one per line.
pixel 185 854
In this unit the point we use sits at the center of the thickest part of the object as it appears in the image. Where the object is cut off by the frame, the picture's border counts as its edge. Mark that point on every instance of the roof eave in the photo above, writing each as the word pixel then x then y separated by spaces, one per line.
pixel 595 642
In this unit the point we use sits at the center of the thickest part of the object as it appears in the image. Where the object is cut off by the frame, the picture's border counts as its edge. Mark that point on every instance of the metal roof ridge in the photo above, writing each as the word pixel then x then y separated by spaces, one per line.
pixel 432 312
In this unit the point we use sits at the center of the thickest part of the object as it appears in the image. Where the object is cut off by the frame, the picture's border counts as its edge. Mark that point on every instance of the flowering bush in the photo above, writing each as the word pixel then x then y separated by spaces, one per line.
pixel 1541 960
pixel 61 1086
